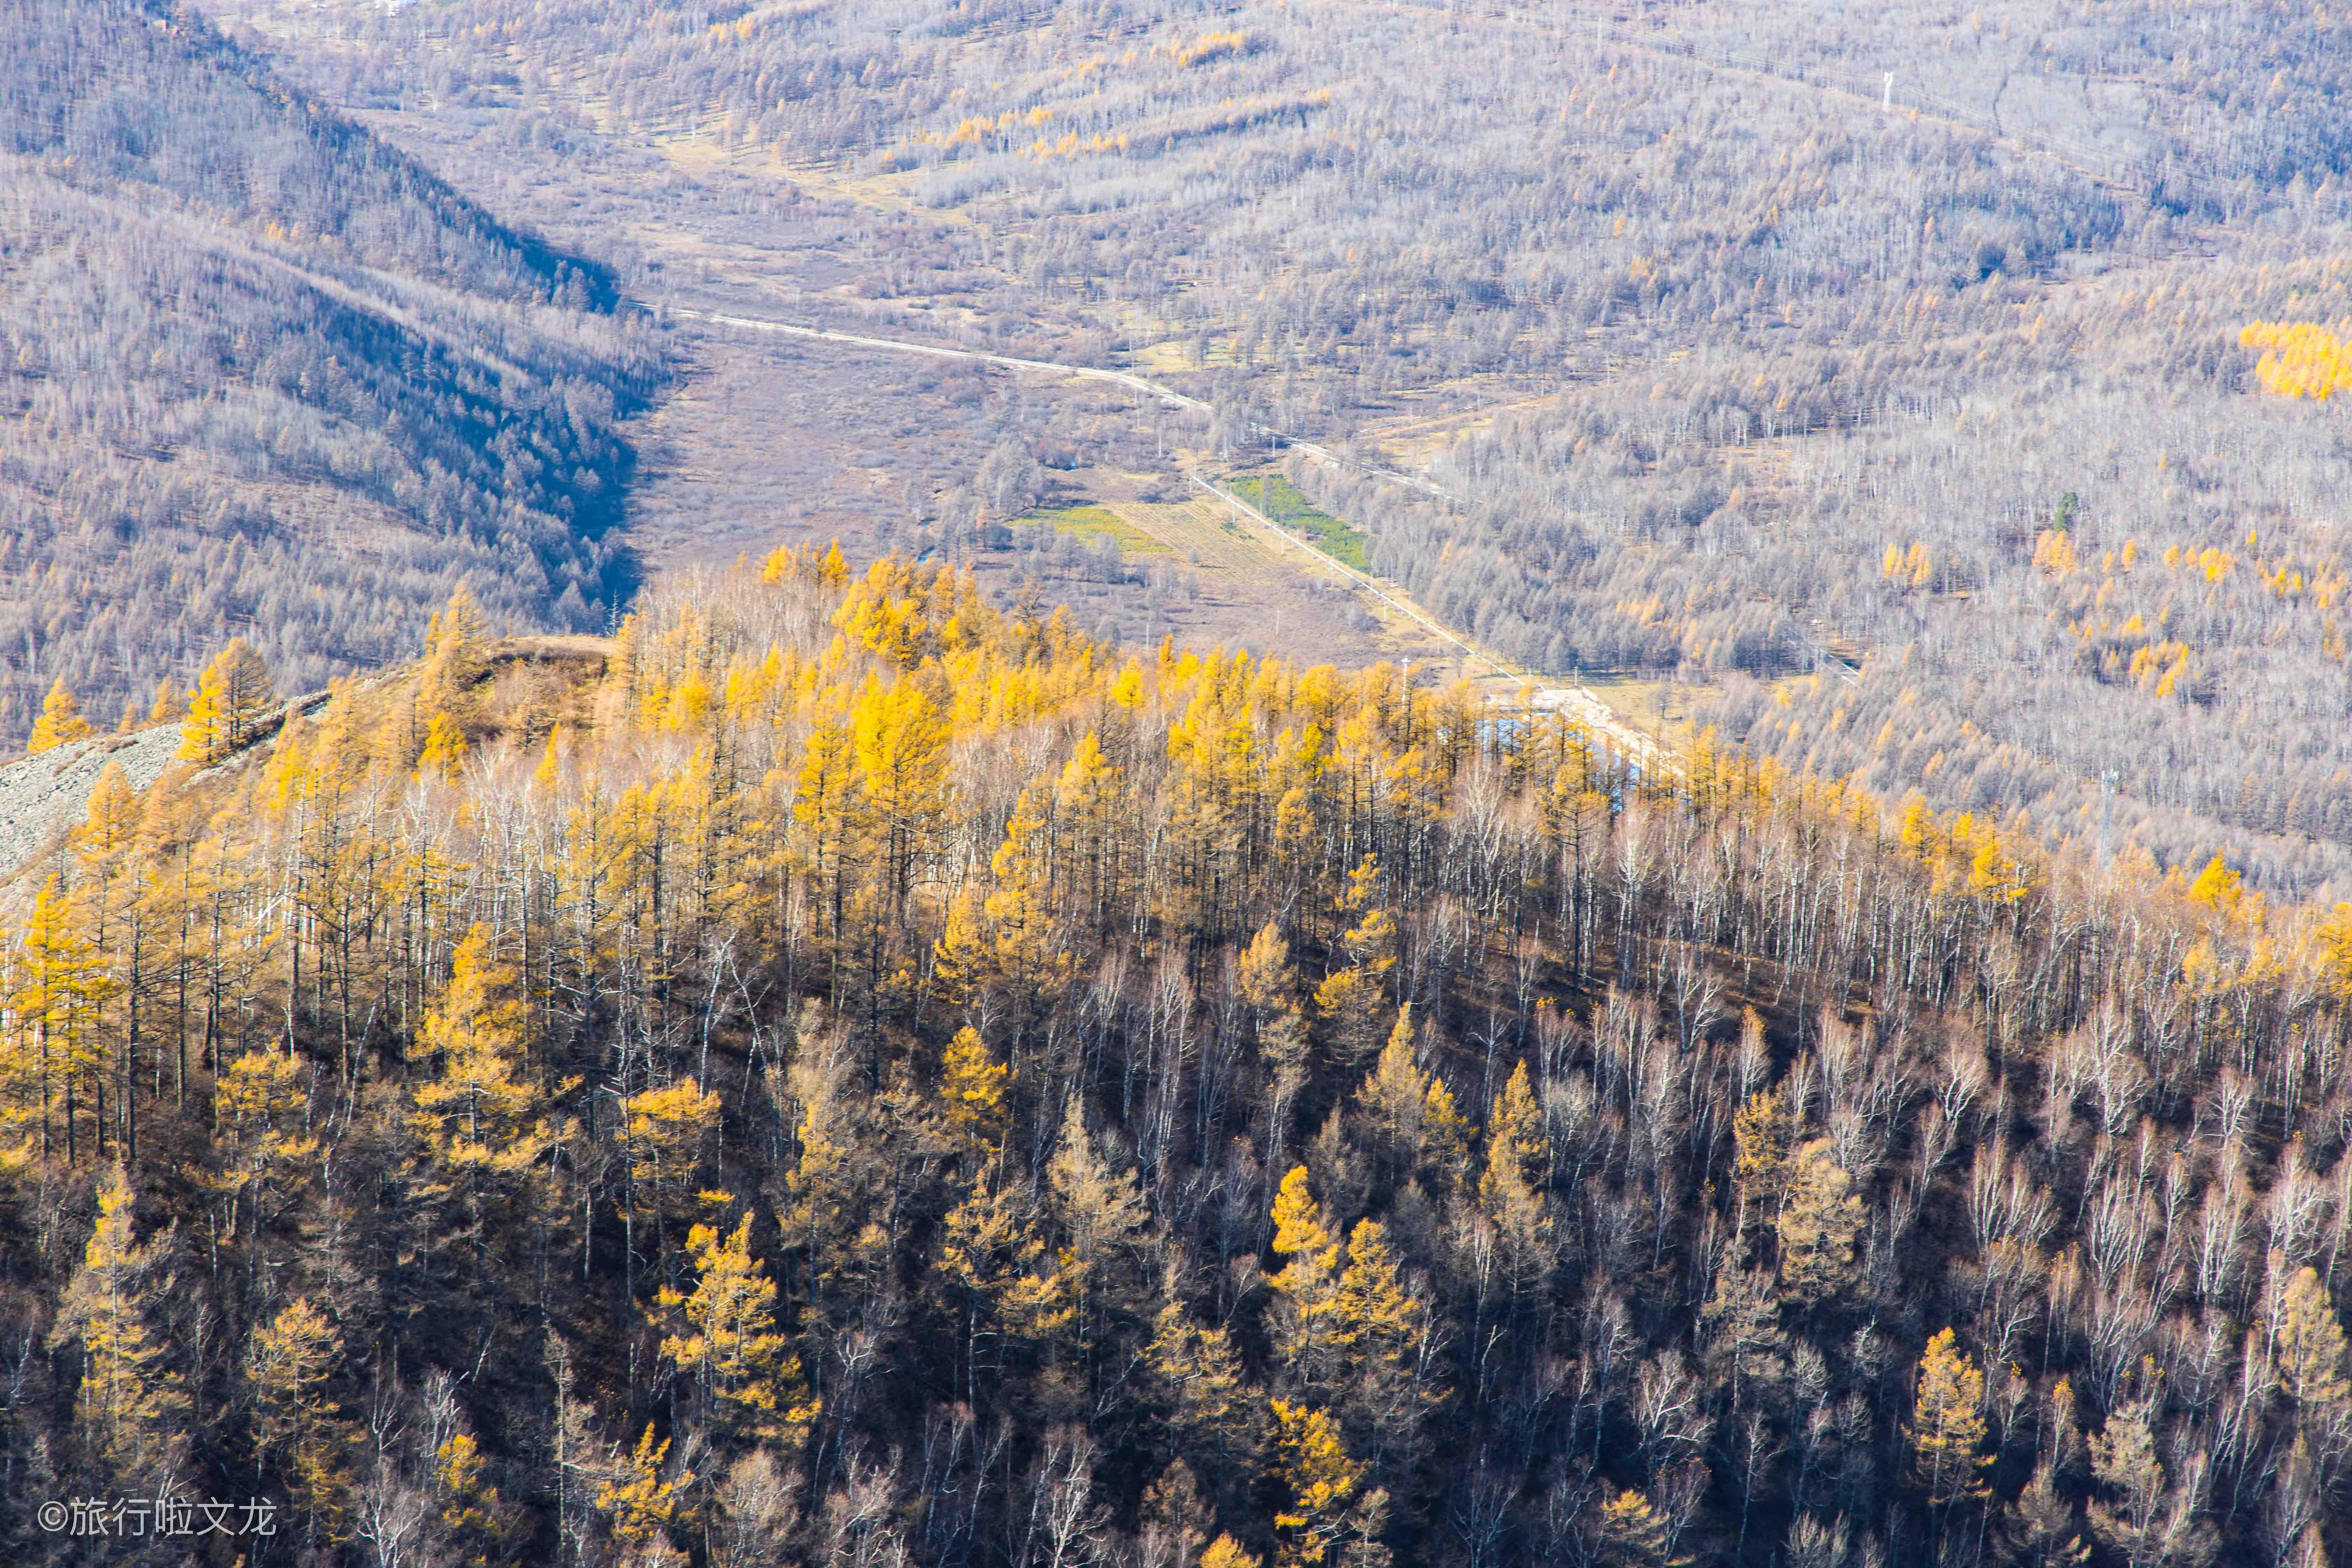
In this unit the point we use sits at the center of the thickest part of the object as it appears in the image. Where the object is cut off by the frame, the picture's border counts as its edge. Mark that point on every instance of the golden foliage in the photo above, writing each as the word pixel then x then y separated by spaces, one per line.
pixel 2300 358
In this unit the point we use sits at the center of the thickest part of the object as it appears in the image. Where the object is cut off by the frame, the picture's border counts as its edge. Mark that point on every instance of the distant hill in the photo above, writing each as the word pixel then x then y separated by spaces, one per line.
pixel 259 372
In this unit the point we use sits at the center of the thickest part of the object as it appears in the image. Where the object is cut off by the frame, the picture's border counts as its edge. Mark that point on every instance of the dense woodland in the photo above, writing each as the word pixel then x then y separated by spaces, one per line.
pixel 260 373
pixel 841 1073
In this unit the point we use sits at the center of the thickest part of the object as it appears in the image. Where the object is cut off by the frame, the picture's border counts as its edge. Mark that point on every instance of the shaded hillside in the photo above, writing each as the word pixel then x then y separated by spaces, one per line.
pixel 259 372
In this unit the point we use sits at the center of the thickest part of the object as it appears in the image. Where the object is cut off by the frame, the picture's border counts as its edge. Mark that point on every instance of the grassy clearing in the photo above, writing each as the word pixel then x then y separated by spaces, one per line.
pixel 1279 500
pixel 1093 522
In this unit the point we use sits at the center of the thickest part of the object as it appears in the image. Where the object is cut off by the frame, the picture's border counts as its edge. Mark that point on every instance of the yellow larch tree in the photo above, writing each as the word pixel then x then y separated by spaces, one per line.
pixel 455 645
pixel 1031 958
pixel 59 723
pixel 1634 1534
pixel 116 880
pixel 54 1007
pixel 1759 1138
pixel 1947 1425
pixel 130 1405
pixel 1090 801
pixel 724 1336
pixel 666 1134
pixel 233 703
pixel 170 702
pixel 1207 1400
pixel 1104 1224
pixel 640 1498
pixel 2310 1348
pixel 257 1107
pixel 1380 1330
pixel 992 1256
pixel 1306 1287
pixel 900 746
pixel 1327 1505
pixel 825 813
pixel 1510 1189
pixel 289 1363
pixel 972 1091
pixel 482 1114
pixel 1819 1220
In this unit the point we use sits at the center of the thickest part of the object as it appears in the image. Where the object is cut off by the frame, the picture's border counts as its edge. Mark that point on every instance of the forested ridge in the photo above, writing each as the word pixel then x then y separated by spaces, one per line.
pixel 259 372
pixel 841 1072
pixel 1693 310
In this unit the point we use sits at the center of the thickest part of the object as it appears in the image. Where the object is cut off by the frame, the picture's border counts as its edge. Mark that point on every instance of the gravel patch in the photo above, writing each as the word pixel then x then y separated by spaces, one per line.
pixel 42 796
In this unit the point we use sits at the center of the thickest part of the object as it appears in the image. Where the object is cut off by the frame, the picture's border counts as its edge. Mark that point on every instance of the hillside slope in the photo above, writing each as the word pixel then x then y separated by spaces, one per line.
pixel 261 373
pixel 841 1074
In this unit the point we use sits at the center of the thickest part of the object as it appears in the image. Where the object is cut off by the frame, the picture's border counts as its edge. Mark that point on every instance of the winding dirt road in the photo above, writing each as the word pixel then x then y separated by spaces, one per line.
pixel 1576 701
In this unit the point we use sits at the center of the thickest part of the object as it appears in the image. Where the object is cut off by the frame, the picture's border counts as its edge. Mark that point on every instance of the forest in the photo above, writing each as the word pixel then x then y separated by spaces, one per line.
pixel 260 373
pixel 842 1072
pixel 881 1054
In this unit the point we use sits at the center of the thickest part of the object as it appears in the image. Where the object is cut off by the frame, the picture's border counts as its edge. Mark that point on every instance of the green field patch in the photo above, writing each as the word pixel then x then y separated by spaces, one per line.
pixel 1282 504
pixel 1093 522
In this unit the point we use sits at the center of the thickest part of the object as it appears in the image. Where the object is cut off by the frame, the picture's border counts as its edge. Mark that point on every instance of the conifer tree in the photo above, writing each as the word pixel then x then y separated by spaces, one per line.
pixel 1412 1114
pixel 992 1257
pixel 1088 801
pixel 129 1406
pixel 1306 1287
pixel 453 648
pixel 2143 1520
pixel 291 1362
pixel 1329 1518
pixel 231 705
pixel 1818 1221
pixel 726 1339
pixel 2311 1347
pixel 666 1133
pixel 470 1506
pixel 1634 1534
pixel 1381 1338
pixel 1103 1223
pixel 54 1005
pixel 445 748
pixel 258 1104
pixel 972 1091
pixel 170 703
pixel 826 813
pixel 481 1115
pixel 1511 1190
pixel 1760 1157
pixel 1029 953
pixel 59 723
pixel 901 745
pixel 1211 1411
pixel 2042 1528
pixel 1270 985
pixel 1948 1426
pixel 1350 1003
pixel 640 1498
pixel 1224 1551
